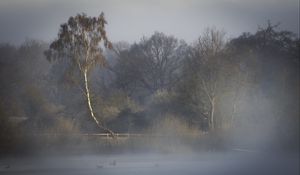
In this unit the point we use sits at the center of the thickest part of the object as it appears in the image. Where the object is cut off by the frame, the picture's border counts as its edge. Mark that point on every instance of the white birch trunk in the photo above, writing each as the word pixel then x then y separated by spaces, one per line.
pixel 90 104
pixel 212 114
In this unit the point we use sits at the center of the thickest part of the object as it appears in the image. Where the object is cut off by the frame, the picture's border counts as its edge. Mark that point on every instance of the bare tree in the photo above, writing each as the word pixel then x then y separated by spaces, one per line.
pixel 207 63
pixel 152 64
pixel 79 40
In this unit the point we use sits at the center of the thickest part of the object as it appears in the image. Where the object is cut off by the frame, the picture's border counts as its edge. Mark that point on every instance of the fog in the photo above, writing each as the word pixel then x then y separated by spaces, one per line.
pixel 39 19
pixel 149 87
pixel 213 163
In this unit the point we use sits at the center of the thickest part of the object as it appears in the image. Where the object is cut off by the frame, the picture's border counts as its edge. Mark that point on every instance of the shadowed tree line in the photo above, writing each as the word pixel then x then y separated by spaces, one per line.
pixel 246 86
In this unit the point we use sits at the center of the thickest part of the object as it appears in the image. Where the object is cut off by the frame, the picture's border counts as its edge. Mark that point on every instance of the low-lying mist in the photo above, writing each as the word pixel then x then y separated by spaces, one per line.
pixel 161 105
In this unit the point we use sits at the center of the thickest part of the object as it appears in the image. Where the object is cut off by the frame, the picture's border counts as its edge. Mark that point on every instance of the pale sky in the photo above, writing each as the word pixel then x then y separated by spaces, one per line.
pixel 129 20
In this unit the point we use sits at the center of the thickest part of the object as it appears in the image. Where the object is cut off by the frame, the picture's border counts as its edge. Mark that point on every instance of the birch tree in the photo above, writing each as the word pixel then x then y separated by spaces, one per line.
pixel 79 42
pixel 207 61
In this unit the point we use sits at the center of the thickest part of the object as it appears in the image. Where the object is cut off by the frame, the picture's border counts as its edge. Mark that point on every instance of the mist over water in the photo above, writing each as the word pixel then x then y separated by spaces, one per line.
pixel 178 164
pixel 83 102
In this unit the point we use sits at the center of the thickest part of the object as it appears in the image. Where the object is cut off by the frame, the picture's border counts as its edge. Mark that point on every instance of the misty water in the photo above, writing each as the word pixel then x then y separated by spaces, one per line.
pixel 184 91
pixel 216 163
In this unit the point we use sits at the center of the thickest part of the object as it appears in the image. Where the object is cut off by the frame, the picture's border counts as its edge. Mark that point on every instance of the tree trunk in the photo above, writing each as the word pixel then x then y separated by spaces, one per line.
pixel 233 113
pixel 212 113
pixel 87 91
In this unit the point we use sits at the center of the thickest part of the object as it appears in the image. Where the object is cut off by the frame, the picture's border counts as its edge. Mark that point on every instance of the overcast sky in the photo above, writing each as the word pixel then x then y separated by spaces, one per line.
pixel 129 20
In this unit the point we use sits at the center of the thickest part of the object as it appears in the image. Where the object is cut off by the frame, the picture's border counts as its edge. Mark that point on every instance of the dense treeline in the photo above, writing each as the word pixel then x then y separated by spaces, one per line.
pixel 248 84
